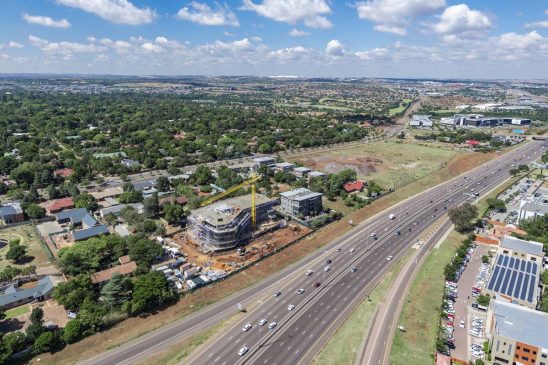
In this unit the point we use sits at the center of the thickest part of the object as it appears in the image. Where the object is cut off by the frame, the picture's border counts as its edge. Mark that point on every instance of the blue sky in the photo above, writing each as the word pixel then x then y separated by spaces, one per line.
pixel 346 38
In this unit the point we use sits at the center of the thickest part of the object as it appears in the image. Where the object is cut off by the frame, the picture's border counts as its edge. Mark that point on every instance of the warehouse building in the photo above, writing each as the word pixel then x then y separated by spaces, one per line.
pixel 226 224
pixel 518 334
pixel 301 203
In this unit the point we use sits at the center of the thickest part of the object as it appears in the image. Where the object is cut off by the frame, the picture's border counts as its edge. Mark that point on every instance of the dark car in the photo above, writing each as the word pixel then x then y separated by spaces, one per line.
pixel 398 233
pixel 317 284
pixel 328 261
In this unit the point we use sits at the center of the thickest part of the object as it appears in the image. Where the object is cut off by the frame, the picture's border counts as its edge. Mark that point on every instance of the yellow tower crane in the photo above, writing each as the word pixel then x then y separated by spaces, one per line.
pixel 251 181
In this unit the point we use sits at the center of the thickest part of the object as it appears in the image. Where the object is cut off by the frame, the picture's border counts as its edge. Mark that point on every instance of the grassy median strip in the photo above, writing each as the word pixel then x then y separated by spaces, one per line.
pixel 344 346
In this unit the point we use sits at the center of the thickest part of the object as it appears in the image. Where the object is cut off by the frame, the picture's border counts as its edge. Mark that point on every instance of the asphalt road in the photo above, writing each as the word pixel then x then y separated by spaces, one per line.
pixel 301 333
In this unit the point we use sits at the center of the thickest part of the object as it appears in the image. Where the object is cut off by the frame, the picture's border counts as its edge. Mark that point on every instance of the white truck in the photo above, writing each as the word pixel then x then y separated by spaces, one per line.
pixel 392 216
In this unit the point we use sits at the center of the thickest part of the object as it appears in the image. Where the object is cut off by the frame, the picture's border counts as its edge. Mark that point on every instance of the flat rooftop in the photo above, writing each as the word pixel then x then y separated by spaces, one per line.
pixel 300 194
pixel 521 323
pixel 515 278
pixel 224 211
pixel 516 244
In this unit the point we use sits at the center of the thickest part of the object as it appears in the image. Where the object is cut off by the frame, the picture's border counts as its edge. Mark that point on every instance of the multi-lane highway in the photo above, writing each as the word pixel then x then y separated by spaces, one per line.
pixel 318 312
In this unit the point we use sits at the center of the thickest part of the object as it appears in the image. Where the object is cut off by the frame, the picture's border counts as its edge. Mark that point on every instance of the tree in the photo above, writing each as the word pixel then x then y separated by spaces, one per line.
pixel 35 211
pixel 145 252
pixel 462 217
pixel 162 184
pixel 201 176
pixel 173 212
pixel 111 219
pixel 496 204
pixel 86 201
pixel 152 206
pixel 44 343
pixel 129 197
pixel 485 259
pixel 484 299
pixel 15 342
pixel 74 330
pixel 37 315
pixel 514 172
pixel 36 326
pixel 116 291
pixel 150 291
pixel 72 293
pixel 16 252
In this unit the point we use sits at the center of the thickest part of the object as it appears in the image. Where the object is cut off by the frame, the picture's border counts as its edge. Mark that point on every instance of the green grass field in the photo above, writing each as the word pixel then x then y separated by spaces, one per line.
pixel 16 312
pixel 421 312
pixel 29 238
pixel 395 111
pixel 344 346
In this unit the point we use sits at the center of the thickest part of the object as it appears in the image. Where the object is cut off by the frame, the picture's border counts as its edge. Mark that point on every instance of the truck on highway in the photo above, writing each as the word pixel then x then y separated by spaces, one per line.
pixel 392 216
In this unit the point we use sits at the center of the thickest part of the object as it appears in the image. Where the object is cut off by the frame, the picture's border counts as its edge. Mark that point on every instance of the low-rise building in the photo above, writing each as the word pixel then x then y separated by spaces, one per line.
pixel 11 213
pixel 421 121
pixel 353 186
pixel 63 173
pixel 263 161
pixel 13 296
pixel 58 205
pixel 518 335
pixel 526 250
pixel 301 172
pixel 116 209
pixel 113 192
pixel 130 164
pixel 514 280
pixel 301 202
pixel 534 205
pixel 100 277
pixel 284 166
pixel 315 174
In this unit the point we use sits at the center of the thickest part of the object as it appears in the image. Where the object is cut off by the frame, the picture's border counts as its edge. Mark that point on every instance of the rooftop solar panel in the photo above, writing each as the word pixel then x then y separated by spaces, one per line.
pixel 516 264
pixel 522 266
pixel 514 277
pixel 493 278
pixel 518 285
pixel 500 280
pixel 505 260
pixel 499 259
pixel 523 288
pixel 512 280
pixel 531 292
pixel 529 266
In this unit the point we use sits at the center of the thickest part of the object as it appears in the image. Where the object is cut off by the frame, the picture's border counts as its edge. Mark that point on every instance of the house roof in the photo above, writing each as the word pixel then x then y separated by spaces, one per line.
pixel 181 200
pixel 139 207
pixel 300 194
pixel 516 244
pixel 74 215
pixel 13 295
pixel 64 173
pixel 10 209
pixel 353 186
pixel 302 169
pixel 107 193
pixel 88 220
pixel 124 269
pixel 124 259
pixel 84 234
pixel 60 204
pixel 521 323
pixel 316 174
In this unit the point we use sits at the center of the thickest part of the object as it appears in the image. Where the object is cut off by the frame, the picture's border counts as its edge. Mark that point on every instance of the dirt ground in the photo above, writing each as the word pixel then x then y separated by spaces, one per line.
pixel 229 261
pixel 133 327
pixel 36 253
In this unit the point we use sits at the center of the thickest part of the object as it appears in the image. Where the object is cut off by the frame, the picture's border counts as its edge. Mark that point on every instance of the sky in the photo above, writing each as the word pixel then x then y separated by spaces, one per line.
pixel 476 39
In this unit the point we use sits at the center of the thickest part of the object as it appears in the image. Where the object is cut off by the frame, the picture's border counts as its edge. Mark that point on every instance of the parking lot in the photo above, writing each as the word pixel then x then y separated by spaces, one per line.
pixel 461 315
pixel 512 197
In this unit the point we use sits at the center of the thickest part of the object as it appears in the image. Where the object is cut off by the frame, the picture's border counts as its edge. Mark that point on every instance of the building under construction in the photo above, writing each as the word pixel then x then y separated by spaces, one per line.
pixel 225 224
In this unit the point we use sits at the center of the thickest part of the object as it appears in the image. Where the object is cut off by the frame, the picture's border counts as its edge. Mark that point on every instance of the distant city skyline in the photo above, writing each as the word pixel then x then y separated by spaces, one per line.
pixel 442 39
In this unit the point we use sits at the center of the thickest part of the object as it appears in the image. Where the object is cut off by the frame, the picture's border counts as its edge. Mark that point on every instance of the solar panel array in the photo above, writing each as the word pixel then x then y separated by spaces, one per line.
pixel 515 278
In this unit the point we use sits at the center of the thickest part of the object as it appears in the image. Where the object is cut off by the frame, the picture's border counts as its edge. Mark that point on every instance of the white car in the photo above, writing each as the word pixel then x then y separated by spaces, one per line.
pixel 300 291
pixel 247 327
pixel 373 234
pixel 272 325
pixel 389 258
pixel 352 249
pixel 262 322
pixel 309 272
pixel 461 325
pixel 326 269
pixel 243 351
pixel 290 307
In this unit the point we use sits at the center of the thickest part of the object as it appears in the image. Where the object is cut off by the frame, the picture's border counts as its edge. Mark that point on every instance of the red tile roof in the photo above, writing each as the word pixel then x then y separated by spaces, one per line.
pixel 60 204
pixel 64 173
pixel 124 269
pixel 353 186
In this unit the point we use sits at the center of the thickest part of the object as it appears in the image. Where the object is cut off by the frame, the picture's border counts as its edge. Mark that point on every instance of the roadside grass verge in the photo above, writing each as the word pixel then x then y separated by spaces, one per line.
pixel 344 346
pixel 421 311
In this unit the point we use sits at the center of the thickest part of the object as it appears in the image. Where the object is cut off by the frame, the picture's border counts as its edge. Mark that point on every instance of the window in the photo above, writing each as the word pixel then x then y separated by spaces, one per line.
pixel 525 358
pixel 526 350
pixel 544 356
pixel 533 259
pixel 534 352
pixel 518 348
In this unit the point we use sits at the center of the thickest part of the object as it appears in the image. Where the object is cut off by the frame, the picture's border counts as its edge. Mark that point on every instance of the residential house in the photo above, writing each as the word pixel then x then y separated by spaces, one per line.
pixel 100 277
pixel 63 173
pixel 13 296
pixel 11 213
pixel 353 186
pixel 284 166
pixel 58 205
pixel 130 164
pixel 301 172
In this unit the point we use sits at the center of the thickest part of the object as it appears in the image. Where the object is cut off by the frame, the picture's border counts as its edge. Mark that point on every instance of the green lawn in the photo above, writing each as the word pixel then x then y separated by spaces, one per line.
pixel 16 312
pixel 344 346
pixel 395 111
pixel 421 312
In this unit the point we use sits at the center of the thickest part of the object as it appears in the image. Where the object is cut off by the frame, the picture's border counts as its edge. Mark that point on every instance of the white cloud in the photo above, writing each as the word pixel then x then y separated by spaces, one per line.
pixel 460 19
pixel 291 53
pixel 115 11
pixel 372 54
pixel 46 21
pixel 14 44
pixel 541 24
pixel 65 49
pixel 228 34
pixel 393 16
pixel 298 33
pixel 151 48
pixel 334 48
pixel 202 13
pixel 310 12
